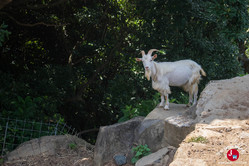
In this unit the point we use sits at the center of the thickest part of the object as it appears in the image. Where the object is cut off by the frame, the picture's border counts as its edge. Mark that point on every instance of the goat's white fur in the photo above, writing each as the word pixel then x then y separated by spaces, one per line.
pixel 183 73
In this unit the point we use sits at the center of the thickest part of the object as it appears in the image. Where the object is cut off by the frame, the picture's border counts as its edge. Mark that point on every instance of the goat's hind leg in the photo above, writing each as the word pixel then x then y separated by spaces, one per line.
pixel 190 95
pixel 195 92
pixel 162 101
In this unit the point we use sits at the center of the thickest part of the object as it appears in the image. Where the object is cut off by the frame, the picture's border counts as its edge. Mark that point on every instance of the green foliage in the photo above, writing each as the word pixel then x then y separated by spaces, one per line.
pixel 72 146
pixel 142 108
pixel 129 113
pixel 243 74
pixel 140 151
pixel 178 96
pixel 4 34
pixel 199 139
pixel 25 106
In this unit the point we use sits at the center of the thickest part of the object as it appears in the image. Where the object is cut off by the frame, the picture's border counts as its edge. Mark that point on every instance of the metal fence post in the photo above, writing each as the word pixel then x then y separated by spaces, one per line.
pixel 5 135
pixel 56 128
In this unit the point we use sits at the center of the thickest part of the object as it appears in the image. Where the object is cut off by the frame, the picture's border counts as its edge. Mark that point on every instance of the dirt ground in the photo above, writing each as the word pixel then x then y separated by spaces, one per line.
pixel 64 157
pixel 79 157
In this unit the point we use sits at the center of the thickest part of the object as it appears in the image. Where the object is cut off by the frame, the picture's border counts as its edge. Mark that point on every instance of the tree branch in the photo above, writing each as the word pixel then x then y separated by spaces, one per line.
pixel 41 6
pixel 4 3
pixel 31 25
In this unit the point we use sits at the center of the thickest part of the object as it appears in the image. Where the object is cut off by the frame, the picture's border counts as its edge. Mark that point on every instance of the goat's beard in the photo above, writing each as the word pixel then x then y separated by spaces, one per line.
pixel 147 74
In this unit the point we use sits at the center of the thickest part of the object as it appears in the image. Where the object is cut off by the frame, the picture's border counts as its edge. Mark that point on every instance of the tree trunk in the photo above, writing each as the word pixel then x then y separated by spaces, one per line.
pixel 243 58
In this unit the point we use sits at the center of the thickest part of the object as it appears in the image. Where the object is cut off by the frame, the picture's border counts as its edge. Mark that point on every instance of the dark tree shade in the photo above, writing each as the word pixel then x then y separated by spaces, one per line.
pixel 74 60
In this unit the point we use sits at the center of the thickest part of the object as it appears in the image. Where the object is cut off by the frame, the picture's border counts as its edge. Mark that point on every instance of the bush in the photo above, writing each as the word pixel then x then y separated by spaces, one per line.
pixel 4 34
pixel 17 100
pixel 142 108
pixel 140 151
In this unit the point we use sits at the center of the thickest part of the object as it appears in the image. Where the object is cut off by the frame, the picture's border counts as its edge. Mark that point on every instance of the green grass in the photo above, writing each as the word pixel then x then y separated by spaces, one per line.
pixel 199 139
pixel 72 146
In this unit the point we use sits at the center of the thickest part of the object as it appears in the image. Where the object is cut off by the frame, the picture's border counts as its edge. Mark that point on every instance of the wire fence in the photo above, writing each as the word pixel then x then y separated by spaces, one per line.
pixel 13 132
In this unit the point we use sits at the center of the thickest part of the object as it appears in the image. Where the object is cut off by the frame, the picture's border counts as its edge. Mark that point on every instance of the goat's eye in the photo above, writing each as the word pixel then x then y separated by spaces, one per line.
pixel 151 60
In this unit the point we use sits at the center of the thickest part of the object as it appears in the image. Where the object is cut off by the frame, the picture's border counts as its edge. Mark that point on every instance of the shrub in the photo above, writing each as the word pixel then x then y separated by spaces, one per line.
pixel 141 151
pixel 143 108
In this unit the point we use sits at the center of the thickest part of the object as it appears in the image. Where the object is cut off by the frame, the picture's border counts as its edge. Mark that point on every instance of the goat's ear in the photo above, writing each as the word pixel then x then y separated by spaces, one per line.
pixel 154 57
pixel 139 59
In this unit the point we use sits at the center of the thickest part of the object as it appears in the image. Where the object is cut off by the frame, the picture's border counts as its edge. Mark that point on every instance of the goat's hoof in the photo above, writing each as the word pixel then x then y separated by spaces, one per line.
pixel 160 105
pixel 188 105
pixel 166 107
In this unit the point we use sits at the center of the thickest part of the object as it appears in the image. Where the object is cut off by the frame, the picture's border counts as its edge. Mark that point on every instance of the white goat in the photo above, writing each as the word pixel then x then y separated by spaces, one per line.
pixel 183 73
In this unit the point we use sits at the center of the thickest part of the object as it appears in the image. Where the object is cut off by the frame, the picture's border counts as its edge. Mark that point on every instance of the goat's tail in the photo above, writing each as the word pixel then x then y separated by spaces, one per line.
pixel 203 72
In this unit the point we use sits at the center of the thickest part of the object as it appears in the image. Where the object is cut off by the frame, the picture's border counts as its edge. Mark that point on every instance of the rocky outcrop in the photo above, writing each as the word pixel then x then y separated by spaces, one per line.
pixel 177 128
pixel 223 120
pixel 221 136
pixel 224 99
pixel 221 123
pixel 166 127
pixel 151 130
pixel 121 137
pixel 114 140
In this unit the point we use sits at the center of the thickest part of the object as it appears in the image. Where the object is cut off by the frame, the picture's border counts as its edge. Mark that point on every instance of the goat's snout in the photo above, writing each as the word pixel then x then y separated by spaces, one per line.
pixel 146 68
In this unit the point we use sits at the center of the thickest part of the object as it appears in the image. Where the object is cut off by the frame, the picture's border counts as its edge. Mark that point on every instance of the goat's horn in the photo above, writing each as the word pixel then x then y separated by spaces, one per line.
pixel 151 51
pixel 142 52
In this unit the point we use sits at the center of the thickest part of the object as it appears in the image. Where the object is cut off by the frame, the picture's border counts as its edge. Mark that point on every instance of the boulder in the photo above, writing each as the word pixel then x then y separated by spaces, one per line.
pixel 224 99
pixel 162 157
pixel 222 121
pixel 220 136
pixel 114 140
pixel 160 127
pixel 122 137
pixel 161 114
pixel 177 128
pixel 48 145
pixel 151 132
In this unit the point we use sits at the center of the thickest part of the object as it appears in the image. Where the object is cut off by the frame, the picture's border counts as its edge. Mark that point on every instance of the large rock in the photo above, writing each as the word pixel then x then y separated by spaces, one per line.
pixel 115 139
pixel 48 145
pixel 223 122
pixel 161 128
pixel 120 138
pixel 224 99
pixel 221 136
pixel 162 157
pixel 151 132
pixel 177 128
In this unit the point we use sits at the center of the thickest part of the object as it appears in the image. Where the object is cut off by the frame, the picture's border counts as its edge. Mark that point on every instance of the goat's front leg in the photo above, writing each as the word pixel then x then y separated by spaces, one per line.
pixel 166 94
pixel 162 101
pixel 166 107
